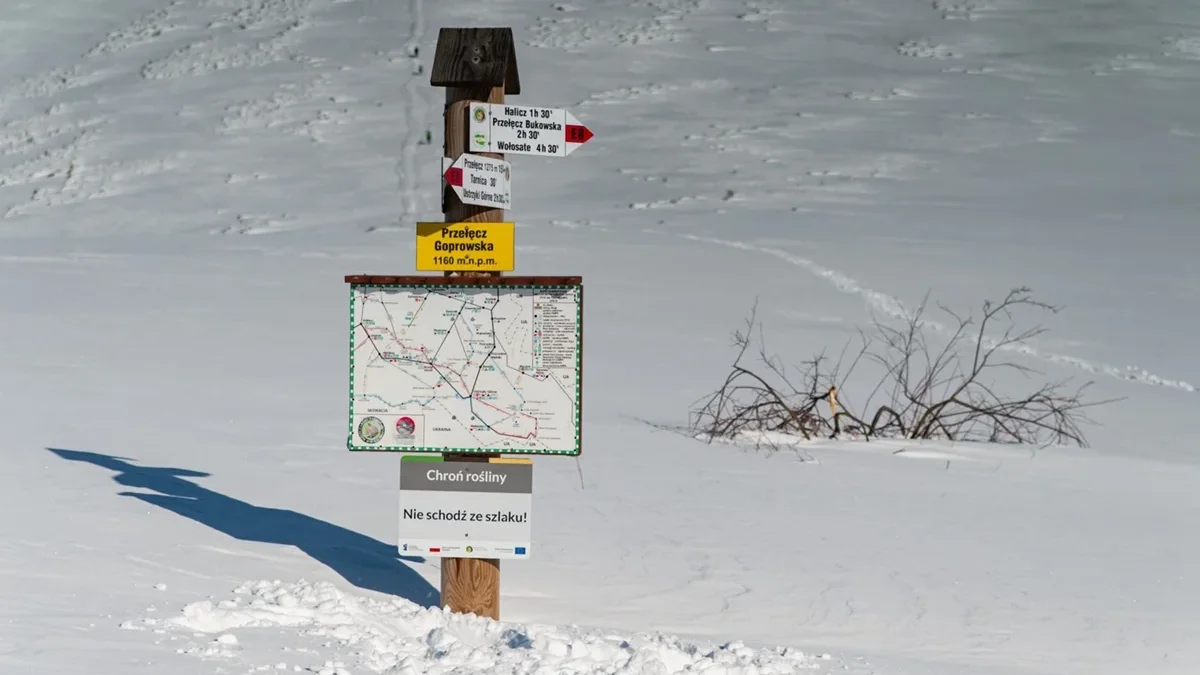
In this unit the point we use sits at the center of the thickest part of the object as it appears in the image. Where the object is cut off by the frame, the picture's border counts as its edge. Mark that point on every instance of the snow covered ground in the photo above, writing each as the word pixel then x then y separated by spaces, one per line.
pixel 184 184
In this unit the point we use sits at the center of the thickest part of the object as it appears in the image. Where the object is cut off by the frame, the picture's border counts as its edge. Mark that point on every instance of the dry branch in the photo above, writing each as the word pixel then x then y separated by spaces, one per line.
pixel 931 391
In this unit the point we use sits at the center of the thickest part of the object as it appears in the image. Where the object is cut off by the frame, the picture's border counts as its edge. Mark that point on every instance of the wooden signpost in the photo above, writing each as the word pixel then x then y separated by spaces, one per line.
pixel 477 67
pixel 473 64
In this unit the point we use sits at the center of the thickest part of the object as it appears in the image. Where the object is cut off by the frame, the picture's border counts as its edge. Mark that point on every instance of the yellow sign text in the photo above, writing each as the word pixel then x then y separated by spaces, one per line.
pixel 463 247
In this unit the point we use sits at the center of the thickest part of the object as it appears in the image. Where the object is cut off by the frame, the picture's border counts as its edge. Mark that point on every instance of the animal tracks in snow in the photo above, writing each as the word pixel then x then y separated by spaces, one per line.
pixel 958 10
pixel 255 224
pixel 85 181
pixel 572 33
pixel 206 56
pixel 1185 47
pixel 39 149
pixel 881 94
pixel 260 14
pixel 144 30
pixel 976 10
pixel 583 224
pixel 638 92
pixel 878 167
pixel 666 203
pixel 250 33
pixel 759 12
pixel 640 22
pixel 770 15
pixel 769 139
pixel 50 83
pixel 51 159
pixel 925 49
pixel 31 133
pixel 297 109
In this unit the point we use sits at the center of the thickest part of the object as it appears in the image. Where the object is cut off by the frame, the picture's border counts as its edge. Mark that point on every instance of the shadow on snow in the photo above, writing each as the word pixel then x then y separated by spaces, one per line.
pixel 361 560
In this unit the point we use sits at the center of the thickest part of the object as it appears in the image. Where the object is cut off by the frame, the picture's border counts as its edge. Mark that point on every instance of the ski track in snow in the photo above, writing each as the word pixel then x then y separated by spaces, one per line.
pixel 895 309
pixel 414 119
pixel 401 638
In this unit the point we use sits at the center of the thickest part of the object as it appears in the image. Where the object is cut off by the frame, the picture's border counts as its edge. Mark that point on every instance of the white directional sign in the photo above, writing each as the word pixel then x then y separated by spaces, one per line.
pixel 478 180
pixel 525 130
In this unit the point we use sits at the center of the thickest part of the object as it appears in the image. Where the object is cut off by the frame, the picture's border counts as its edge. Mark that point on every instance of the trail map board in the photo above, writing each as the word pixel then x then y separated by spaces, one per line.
pixel 438 365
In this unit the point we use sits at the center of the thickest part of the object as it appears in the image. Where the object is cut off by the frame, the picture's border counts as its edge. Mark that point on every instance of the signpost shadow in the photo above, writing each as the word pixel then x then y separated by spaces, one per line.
pixel 361 560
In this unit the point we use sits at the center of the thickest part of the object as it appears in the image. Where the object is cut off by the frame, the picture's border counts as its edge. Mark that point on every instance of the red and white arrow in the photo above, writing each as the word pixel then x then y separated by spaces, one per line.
pixel 478 180
pixel 524 130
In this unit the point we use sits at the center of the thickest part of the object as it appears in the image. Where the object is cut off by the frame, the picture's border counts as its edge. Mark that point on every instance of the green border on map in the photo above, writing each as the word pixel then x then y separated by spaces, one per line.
pixel 577 450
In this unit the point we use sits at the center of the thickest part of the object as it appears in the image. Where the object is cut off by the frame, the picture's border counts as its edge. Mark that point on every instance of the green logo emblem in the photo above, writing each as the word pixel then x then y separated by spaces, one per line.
pixel 371 430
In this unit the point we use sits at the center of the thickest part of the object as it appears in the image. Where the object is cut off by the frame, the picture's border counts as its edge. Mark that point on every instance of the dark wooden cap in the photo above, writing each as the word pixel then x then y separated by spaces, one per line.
pixel 473 57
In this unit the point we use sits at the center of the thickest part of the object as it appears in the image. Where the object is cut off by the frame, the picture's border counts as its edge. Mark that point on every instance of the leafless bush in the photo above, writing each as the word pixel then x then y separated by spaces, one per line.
pixel 925 391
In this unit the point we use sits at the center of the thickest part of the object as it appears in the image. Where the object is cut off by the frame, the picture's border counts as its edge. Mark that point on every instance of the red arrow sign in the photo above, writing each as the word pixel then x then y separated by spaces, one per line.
pixel 577 133
pixel 454 176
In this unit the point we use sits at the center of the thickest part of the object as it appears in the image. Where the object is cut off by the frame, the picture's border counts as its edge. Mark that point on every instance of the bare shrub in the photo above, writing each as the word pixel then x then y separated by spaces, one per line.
pixel 926 391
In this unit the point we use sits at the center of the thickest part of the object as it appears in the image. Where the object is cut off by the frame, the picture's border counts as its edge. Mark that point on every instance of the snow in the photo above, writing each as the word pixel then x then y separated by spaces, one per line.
pixel 184 184
pixel 396 636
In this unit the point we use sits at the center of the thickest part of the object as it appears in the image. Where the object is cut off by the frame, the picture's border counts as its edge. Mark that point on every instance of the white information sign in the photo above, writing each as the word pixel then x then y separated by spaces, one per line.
pixel 465 509
pixel 478 180
pixel 525 130
pixel 439 367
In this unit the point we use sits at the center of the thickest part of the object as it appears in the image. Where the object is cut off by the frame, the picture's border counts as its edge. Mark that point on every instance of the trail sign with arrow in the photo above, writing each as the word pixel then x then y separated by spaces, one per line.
pixel 479 180
pixel 524 130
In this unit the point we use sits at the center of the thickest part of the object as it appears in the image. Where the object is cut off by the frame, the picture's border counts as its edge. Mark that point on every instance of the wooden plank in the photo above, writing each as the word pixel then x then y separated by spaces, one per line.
pixel 473 64
pixel 472 586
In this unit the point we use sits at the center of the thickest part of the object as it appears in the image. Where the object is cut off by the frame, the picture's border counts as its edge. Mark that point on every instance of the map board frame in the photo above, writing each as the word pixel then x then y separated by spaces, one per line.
pixel 427 283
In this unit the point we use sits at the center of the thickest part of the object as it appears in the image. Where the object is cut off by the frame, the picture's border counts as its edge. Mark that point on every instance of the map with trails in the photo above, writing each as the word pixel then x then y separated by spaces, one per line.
pixel 455 368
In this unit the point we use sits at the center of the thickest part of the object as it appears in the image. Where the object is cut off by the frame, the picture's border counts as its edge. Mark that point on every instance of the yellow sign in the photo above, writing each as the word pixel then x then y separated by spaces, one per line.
pixel 463 247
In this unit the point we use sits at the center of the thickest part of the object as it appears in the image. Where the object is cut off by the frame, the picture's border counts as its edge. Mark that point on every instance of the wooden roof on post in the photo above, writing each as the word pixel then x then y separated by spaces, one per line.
pixel 471 57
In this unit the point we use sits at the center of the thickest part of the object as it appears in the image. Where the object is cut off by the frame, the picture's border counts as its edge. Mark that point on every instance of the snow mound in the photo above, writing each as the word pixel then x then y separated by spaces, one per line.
pixel 402 638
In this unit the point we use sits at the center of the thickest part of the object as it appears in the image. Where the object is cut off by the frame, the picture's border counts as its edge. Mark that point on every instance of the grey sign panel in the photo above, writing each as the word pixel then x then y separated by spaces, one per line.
pixel 494 477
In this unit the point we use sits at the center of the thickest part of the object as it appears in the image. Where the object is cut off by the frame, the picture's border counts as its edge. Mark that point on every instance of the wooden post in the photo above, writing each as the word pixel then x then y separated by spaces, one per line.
pixel 473 64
